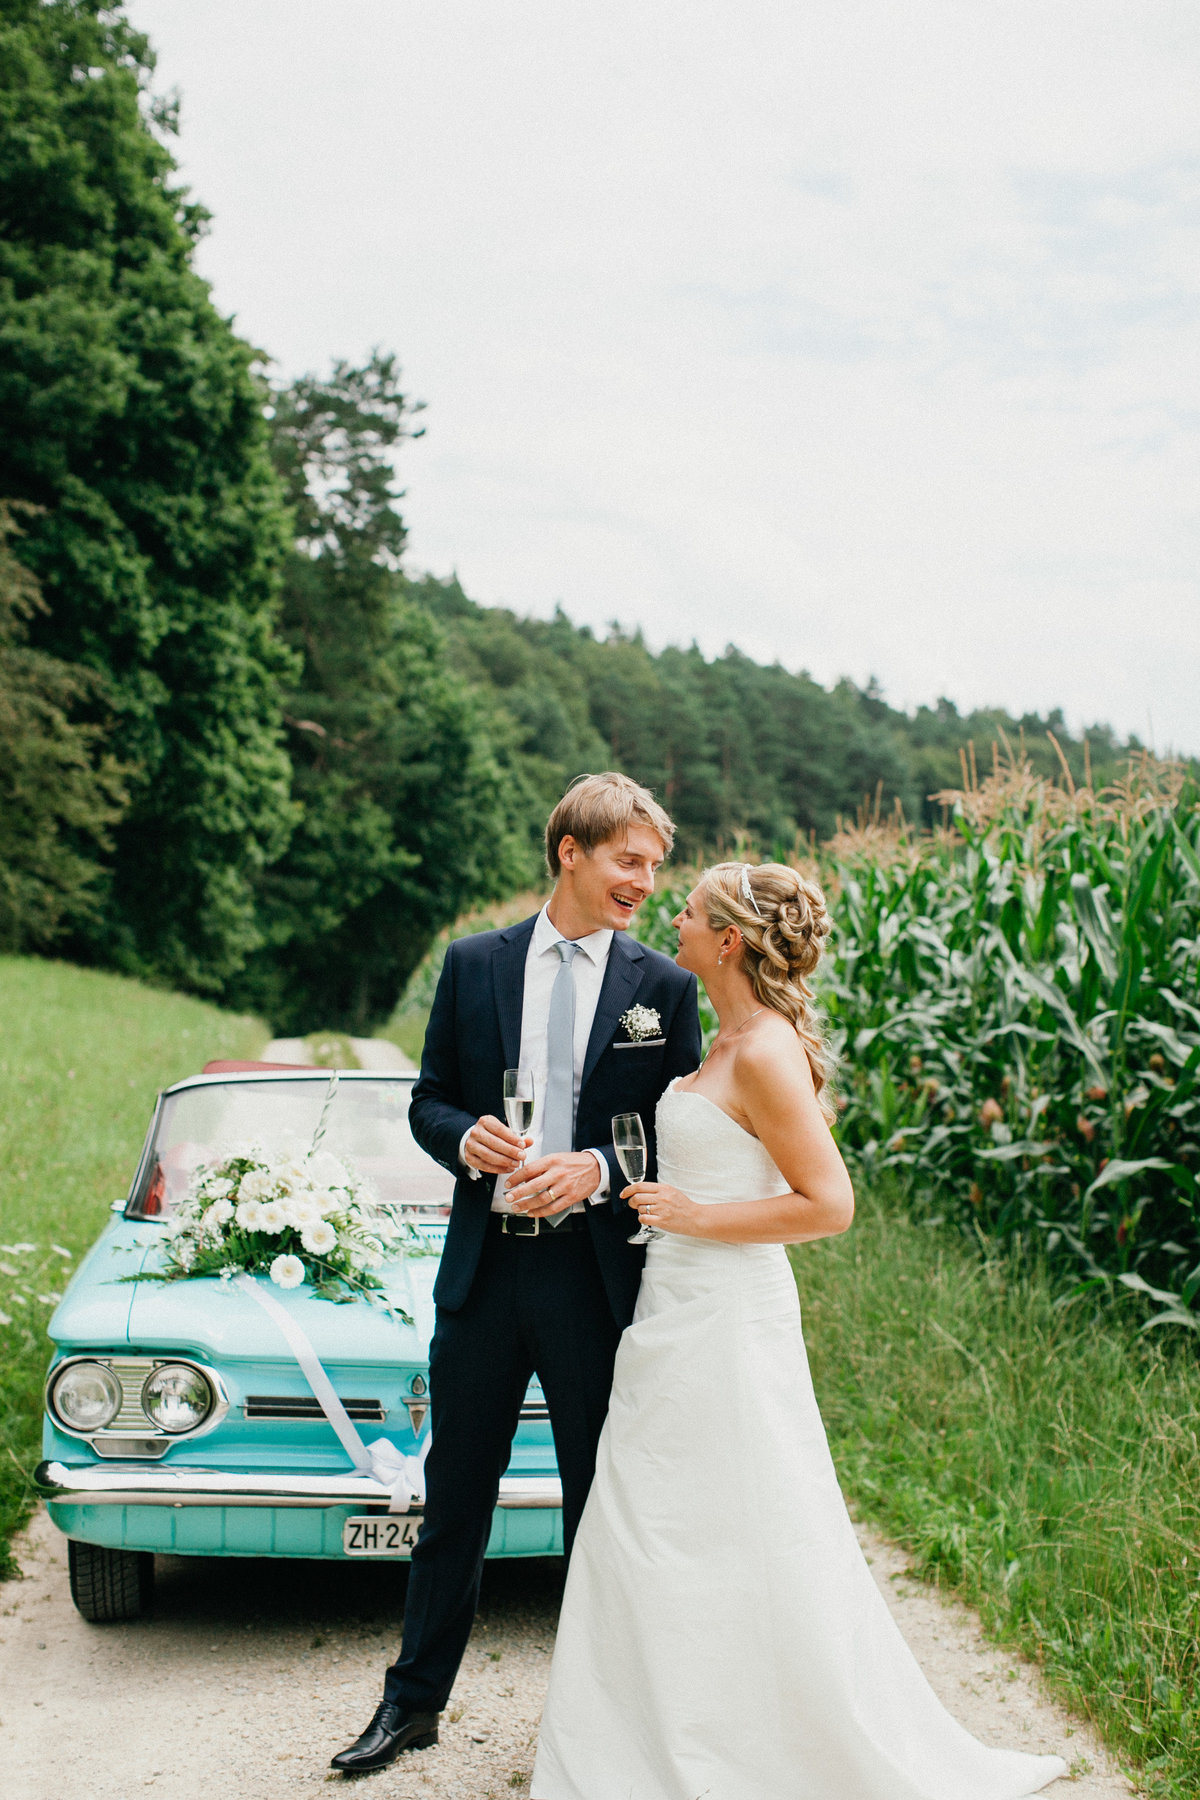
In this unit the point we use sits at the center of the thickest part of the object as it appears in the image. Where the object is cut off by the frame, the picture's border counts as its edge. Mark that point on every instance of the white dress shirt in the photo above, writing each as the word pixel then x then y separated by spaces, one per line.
pixel 542 963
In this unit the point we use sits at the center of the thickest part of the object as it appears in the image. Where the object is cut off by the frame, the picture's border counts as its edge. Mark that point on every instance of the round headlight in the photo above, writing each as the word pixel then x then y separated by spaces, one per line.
pixel 86 1396
pixel 176 1398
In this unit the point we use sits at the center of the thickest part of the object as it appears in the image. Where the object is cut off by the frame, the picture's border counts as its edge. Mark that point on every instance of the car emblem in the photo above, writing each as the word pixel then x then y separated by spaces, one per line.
pixel 417 1411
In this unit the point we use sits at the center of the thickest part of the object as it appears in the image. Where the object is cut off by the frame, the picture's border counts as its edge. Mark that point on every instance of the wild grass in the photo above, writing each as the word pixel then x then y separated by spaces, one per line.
pixel 82 1055
pixel 331 1050
pixel 1039 1458
pixel 406 1029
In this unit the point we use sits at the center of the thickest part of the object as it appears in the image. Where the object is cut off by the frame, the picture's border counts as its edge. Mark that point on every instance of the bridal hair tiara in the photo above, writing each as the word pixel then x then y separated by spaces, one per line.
pixel 747 892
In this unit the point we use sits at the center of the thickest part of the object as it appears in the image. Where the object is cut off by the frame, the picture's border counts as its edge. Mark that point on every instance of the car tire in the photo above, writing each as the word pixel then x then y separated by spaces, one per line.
pixel 109 1586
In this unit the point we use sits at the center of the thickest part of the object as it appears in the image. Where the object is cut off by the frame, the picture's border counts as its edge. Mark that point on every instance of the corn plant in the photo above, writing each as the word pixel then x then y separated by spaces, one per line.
pixel 1013 1006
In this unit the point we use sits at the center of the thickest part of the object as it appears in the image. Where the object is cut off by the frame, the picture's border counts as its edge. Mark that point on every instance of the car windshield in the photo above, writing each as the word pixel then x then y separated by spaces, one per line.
pixel 367 1129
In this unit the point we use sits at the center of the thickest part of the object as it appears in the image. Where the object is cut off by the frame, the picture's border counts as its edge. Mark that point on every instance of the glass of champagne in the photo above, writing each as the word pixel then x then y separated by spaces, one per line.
pixel 518 1102
pixel 629 1142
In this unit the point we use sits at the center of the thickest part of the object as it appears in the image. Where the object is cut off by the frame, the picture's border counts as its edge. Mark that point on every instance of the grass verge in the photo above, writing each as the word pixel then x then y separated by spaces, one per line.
pixel 82 1055
pixel 331 1050
pixel 1036 1458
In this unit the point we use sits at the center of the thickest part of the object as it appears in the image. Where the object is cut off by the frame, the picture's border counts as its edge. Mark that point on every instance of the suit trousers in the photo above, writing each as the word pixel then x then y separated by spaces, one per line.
pixel 537 1306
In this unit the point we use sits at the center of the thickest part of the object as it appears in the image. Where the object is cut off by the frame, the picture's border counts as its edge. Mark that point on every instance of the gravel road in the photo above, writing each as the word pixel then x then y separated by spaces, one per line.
pixel 251 1674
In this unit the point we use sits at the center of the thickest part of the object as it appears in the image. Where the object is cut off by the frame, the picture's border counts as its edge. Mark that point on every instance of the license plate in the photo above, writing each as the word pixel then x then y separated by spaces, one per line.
pixel 375 1534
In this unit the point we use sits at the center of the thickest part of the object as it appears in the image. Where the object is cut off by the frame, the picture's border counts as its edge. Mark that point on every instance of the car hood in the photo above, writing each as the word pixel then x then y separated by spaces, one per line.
pixel 220 1320
pixel 93 1314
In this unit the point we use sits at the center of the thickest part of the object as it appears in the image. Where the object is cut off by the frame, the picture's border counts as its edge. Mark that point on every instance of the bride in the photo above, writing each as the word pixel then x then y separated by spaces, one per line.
pixel 721 1636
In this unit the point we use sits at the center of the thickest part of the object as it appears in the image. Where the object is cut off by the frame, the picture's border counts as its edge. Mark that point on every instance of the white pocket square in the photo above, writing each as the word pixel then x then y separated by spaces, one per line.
pixel 640 1044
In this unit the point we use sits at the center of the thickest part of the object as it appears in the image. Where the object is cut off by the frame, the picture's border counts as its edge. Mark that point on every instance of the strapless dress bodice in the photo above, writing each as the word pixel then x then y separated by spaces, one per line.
pixel 708 1155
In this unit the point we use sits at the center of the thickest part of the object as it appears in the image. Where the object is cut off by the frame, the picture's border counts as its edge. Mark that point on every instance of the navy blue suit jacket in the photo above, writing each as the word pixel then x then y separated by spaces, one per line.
pixel 474 1034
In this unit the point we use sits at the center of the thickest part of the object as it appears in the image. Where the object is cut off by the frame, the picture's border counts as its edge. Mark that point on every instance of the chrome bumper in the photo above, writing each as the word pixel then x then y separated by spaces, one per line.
pixel 132 1484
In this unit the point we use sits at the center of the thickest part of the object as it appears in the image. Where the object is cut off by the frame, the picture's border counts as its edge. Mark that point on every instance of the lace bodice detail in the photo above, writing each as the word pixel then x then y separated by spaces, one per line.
pixel 706 1154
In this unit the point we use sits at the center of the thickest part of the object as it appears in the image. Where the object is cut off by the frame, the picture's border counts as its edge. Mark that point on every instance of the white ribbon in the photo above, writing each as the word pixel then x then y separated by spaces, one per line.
pixel 403 1476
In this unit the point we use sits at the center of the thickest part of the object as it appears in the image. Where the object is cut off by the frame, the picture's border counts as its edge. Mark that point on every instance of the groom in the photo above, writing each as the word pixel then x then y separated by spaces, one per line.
pixel 537 1277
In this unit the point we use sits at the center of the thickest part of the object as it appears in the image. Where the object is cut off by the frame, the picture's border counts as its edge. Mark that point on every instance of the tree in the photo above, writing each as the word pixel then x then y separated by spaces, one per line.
pixel 61 792
pixel 133 417
pixel 527 676
pixel 738 751
pixel 405 818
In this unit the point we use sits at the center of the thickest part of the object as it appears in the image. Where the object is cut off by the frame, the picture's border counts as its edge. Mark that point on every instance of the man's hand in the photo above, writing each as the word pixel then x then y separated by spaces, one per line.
pixel 550 1184
pixel 491 1147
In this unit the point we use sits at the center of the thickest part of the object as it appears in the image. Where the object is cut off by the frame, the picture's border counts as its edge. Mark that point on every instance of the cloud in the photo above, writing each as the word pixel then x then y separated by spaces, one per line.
pixel 862 336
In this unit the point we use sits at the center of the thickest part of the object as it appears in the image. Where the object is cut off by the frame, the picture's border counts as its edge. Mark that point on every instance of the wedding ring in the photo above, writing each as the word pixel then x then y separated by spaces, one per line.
pixel 550 1194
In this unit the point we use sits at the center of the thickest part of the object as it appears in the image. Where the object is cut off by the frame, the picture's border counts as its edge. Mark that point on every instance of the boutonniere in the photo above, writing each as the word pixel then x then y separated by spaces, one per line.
pixel 641 1022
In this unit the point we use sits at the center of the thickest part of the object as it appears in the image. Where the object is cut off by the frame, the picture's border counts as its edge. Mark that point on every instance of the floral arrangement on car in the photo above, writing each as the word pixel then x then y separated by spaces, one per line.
pixel 295 1218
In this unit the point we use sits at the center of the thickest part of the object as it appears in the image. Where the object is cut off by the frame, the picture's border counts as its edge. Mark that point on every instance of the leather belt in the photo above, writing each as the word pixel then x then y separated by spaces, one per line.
pixel 521 1225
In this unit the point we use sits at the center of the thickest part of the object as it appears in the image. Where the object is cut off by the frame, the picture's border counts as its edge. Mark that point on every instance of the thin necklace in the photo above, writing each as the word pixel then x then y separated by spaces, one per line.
pixel 733 1033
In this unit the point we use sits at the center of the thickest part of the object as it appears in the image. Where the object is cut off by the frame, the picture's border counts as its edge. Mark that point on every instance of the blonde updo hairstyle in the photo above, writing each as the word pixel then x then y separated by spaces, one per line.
pixel 782 943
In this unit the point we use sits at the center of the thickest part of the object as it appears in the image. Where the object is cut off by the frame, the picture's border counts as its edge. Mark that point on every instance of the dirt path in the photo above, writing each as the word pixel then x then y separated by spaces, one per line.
pixel 251 1674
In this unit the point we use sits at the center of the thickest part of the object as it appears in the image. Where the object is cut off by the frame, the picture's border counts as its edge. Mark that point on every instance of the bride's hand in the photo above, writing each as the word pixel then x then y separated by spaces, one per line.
pixel 666 1208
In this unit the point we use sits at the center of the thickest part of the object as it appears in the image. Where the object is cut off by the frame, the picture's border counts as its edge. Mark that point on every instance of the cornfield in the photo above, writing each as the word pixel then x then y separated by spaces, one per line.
pixel 1012 1004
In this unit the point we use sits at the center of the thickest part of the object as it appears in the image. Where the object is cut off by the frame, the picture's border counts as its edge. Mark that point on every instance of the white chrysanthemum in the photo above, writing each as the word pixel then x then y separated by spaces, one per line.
pixel 249 1215
pixel 325 1201
pixel 287 1271
pixel 293 1170
pixel 218 1214
pixel 300 1209
pixel 256 1184
pixel 319 1238
pixel 216 1187
pixel 271 1216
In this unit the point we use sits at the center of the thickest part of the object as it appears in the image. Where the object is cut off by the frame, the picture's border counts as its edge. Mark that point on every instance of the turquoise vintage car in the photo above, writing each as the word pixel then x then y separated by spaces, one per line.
pixel 178 1421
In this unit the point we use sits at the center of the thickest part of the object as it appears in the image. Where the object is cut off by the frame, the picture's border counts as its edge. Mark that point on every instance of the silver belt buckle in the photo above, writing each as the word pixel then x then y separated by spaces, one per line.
pixel 505 1217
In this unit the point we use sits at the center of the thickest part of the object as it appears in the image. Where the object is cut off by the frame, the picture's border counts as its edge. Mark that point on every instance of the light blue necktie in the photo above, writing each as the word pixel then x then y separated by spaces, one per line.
pixel 558 1112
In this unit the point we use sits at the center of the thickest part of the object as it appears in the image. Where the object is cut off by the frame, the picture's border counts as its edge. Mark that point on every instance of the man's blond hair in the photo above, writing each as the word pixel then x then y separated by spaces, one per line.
pixel 597 808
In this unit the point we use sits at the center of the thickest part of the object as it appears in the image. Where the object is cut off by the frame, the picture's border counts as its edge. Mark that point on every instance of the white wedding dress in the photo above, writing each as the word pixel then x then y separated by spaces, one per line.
pixel 721 1635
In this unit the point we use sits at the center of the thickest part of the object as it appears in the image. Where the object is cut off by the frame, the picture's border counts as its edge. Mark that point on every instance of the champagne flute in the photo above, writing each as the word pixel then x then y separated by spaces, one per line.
pixel 629 1142
pixel 518 1102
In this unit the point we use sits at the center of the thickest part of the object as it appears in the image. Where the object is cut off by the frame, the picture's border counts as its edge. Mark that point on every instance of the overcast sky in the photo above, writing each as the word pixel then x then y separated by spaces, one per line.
pixel 860 334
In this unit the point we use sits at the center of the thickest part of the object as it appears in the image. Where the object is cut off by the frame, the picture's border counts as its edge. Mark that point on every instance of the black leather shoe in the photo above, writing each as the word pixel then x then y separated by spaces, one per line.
pixel 391 1730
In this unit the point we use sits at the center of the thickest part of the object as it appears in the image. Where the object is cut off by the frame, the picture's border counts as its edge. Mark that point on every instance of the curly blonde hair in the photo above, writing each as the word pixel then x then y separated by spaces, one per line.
pixel 784 925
